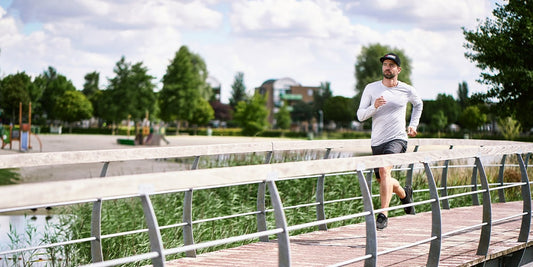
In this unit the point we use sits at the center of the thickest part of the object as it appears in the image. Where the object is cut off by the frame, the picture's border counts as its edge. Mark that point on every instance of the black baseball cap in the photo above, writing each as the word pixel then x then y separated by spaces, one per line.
pixel 392 57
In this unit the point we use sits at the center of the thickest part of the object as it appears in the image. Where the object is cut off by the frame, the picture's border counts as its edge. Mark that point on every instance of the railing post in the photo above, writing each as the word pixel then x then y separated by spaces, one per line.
pixel 96 231
pixel 526 197
pixel 501 193
pixel 156 243
pixel 97 254
pixel 484 240
pixel 409 176
pixel 261 206
pixel 320 211
pixel 475 200
pixel 436 220
pixel 371 232
pixel 188 234
pixel 369 180
pixel 444 183
pixel 284 252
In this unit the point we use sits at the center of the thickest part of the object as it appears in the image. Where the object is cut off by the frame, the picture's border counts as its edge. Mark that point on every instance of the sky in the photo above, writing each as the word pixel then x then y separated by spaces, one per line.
pixel 310 41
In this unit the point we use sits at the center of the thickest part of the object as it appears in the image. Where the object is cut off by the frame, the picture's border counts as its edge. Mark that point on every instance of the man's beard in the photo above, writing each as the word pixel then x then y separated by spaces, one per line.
pixel 389 76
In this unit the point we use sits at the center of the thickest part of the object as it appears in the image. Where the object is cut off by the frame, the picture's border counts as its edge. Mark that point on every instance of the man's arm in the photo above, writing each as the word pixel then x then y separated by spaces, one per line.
pixel 416 113
pixel 366 107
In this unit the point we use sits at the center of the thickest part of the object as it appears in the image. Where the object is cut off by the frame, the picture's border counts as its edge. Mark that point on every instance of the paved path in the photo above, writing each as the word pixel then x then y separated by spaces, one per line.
pixel 323 248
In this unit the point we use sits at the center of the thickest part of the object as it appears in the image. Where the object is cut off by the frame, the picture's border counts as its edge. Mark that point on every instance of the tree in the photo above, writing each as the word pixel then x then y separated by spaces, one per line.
pixel 283 118
pixel 53 86
pixel 472 118
pixel 439 121
pixel 201 69
pixel 15 89
pixel 320 96
pixel 368 66
pixel 202 113
pixel 302 111
pixel 92 91
pixel 501 48
pixel 181 88
pixel 90 87
pixel 238 90
pixel 75 107
pixel 510 128
pixel 252 116
pixel 131 92
pixel 448 105
pixel 340 110
pixel 462 95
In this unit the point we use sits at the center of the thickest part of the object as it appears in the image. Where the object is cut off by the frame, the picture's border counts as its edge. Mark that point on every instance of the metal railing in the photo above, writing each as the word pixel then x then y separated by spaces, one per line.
pixel 143 186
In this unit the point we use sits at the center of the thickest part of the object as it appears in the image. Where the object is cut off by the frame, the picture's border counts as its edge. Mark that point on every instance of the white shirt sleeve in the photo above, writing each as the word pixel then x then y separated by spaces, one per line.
pixel 366 107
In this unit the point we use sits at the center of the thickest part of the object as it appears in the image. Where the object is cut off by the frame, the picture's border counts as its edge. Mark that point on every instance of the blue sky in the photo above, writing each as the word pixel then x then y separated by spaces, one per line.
pixel 310 41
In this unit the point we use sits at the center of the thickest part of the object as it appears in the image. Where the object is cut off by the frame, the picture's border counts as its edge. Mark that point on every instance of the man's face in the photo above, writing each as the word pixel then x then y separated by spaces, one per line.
pixel 390 69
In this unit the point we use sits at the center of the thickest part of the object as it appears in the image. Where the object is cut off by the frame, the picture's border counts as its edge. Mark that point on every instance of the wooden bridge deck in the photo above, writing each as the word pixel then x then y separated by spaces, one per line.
pixel 323 248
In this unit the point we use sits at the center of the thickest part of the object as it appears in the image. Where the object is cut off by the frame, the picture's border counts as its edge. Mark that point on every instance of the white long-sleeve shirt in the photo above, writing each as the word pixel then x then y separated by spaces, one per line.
pixel 388 121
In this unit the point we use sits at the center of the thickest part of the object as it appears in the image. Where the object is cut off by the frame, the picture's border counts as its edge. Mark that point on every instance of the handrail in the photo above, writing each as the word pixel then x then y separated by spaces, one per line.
pixel 143 185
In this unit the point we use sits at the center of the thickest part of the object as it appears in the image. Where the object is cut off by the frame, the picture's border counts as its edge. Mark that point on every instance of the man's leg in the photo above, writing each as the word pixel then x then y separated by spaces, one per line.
pixel 387 186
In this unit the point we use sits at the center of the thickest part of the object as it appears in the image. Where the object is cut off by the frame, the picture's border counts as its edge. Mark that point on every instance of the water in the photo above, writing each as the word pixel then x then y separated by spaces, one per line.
pixel 19 231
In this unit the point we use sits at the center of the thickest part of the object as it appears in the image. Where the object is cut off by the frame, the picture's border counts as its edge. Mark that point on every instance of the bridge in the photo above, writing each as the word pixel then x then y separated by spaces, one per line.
pixel 491 231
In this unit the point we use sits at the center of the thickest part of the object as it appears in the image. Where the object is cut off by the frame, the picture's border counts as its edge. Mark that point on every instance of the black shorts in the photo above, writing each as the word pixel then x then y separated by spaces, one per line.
pixel 391 147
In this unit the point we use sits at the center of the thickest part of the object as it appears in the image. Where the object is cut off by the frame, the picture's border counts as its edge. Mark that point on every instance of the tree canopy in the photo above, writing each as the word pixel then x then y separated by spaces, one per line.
pixel 182 85
pixel 15 89
pixel 130 92
pixel 252 115
pixel 238 90
pixel 501 48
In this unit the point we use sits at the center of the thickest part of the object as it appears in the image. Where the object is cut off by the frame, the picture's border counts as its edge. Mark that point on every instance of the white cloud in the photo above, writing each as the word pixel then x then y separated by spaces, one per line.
pixel 309 41
pixel 289 18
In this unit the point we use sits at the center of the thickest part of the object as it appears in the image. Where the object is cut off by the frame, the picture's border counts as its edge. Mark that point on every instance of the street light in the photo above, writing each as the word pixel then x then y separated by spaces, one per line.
pixel 321 121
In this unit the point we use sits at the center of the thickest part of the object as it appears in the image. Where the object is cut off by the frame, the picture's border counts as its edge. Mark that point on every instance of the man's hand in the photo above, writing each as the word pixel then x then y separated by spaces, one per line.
pixel 411 131
pixel 380 102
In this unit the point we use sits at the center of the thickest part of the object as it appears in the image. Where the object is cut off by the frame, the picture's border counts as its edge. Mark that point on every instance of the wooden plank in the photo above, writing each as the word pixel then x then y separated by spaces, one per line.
pixel 323 248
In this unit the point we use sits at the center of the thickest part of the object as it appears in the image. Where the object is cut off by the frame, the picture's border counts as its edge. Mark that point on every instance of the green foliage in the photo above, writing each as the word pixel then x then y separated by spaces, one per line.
pixel 53 86
pixel 130 92
pixel 462 95
pixel 238 91
pixel 510 128
pixel 340 110
pixel 9 176
pixel 501 48
pixel 283 118
pixel 15 89
pixel 302 111
pixel 319 98
pixel 75 107
pixel 200 68
pixel 472 118
pixel 253 115
pixel 202 112
pixel 439 121
pixel 181 87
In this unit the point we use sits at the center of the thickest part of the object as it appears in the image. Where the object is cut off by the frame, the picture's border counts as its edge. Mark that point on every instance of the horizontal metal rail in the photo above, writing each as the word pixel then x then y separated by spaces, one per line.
pixel 18 197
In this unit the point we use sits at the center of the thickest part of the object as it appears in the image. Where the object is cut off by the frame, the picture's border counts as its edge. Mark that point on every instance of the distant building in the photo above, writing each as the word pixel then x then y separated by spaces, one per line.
pixel 284 90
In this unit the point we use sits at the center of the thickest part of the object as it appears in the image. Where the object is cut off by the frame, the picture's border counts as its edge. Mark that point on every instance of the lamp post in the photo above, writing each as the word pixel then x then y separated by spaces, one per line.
pixel 321 121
